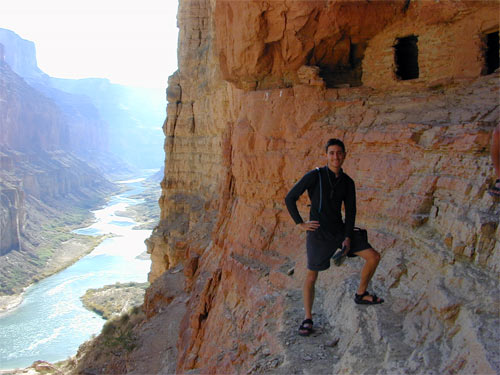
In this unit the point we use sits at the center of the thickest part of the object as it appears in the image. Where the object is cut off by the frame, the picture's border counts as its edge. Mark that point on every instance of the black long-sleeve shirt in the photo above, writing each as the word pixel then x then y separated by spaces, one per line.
pixel 334 190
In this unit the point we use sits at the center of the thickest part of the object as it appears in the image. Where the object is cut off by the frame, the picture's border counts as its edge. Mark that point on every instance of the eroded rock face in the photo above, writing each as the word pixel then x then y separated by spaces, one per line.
pixel 12 217
pixel 263 44
pixel 30 121
pixel 246 120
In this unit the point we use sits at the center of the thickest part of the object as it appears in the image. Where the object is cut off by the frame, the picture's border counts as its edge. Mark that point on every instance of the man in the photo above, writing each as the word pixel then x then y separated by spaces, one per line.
pixel 327 188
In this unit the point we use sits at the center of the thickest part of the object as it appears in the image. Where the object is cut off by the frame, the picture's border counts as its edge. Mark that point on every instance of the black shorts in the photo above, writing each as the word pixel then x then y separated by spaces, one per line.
pixel 321 246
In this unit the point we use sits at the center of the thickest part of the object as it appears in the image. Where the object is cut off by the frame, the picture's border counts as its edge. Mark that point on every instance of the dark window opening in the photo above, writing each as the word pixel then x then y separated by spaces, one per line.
pixel 491 53
pixel 339 66
pixel 406 57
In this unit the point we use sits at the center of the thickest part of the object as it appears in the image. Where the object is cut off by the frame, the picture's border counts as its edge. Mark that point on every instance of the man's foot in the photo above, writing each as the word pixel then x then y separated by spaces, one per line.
pixel 306 328
pixel 494 191
pixel 367 299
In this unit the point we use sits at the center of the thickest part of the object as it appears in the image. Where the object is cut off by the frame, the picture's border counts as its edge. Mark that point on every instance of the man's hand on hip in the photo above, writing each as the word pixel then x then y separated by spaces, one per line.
pixel 309 225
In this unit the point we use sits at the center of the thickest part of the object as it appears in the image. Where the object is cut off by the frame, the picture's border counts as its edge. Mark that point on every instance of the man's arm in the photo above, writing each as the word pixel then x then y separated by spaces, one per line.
pixel 350 213
pixel 294 194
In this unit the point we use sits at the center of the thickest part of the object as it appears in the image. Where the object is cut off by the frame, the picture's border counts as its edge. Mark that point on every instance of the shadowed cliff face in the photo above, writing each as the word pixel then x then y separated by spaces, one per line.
pixel 29 121
pixel 37 116
pixel 41 179
pixel 249 111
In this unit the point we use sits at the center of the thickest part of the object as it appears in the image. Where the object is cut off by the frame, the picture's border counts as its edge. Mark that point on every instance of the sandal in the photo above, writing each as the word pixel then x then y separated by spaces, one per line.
pixel 359 299
pixel 306 328
pixel 494 191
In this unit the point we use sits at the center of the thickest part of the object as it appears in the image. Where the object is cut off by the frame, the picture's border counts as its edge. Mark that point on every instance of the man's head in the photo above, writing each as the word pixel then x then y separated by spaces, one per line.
pixel 335 153
pixel 333 142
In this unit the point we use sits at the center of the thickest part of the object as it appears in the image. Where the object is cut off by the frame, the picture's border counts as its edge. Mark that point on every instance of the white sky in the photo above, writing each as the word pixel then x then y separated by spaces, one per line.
pixel 131 42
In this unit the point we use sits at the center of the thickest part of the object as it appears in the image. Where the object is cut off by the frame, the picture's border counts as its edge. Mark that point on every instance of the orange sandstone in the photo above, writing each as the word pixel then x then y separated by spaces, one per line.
pixel 261 85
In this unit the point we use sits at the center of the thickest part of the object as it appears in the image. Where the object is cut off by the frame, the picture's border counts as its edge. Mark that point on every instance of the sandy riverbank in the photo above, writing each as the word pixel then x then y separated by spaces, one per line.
pixel 70 252
pixel 8 303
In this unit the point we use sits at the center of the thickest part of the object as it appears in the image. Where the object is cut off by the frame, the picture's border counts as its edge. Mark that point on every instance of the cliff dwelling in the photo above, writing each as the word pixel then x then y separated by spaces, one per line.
pixel 406 57
pixel 491 52
pixel 340 64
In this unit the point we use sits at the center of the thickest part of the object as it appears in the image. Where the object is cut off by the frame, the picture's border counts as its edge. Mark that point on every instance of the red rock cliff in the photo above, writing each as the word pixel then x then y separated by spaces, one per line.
pixel 261 86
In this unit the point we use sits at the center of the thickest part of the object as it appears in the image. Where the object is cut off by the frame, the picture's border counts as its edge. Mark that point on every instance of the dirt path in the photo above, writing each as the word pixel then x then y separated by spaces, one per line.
pixel 313 354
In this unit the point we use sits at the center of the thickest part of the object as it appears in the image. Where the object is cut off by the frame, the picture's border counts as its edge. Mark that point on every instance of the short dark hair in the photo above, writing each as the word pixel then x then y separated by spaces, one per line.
pixel 334 142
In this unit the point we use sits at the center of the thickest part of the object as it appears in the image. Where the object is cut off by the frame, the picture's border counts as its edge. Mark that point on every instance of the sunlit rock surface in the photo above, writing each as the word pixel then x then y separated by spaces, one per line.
pixel 261 86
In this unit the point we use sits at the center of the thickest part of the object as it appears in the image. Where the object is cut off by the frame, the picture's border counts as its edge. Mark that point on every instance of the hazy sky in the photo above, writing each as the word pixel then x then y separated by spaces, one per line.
pixel 128 41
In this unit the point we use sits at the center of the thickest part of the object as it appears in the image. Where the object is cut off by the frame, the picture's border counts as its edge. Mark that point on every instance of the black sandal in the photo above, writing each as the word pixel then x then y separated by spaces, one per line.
pixel 359 299
pixel 306 328
pixel 494 191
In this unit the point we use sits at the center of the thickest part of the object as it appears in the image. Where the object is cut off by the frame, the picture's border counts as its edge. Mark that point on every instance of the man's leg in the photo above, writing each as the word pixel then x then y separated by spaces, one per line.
pixel 308 292
pixel 372 258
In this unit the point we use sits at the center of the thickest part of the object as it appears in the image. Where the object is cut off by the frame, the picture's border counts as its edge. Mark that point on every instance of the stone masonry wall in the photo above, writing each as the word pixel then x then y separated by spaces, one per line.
pixel 444 53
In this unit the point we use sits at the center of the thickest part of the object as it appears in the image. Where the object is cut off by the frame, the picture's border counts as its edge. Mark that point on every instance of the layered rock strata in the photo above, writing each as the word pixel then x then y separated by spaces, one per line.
pixel 40 178
pixel 63 121
pixel 29 120
pixel 36 192
pixel 261 86
pixel 12 217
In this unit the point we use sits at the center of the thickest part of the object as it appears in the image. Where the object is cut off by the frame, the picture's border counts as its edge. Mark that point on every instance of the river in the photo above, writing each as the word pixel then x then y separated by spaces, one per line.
pixel 51 322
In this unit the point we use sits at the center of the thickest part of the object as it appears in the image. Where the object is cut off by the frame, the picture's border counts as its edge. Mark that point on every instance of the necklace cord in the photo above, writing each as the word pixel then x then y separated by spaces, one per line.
pixel 332 187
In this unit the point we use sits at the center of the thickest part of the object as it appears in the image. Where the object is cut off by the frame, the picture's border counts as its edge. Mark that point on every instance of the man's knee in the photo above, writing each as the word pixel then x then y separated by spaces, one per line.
pixel 311 277
pixel 374 257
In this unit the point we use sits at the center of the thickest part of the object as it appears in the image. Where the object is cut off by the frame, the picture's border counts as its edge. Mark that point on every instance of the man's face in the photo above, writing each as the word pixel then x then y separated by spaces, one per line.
pixel 335 156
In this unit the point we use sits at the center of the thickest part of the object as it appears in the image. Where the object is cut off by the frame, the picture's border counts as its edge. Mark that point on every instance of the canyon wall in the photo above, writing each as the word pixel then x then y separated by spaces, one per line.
pixel 29 120
pixel 133 117
pixel 20 55
pixel 113 127
pixel 261 86
pixel 79 124
pixel 41 177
